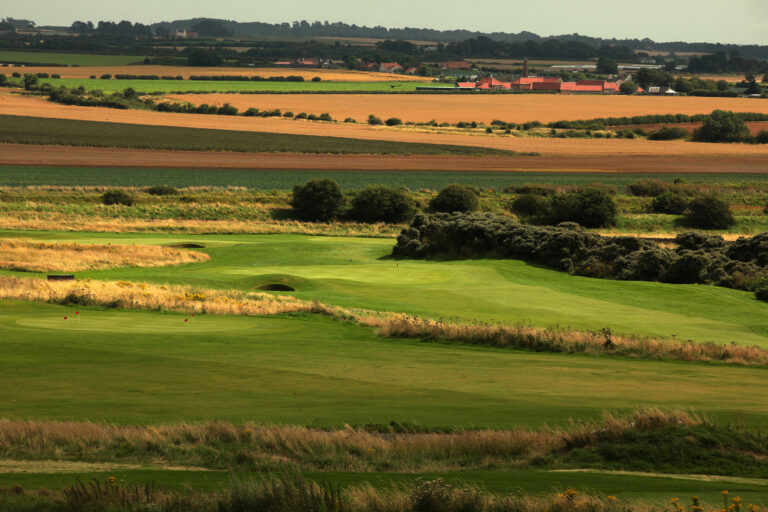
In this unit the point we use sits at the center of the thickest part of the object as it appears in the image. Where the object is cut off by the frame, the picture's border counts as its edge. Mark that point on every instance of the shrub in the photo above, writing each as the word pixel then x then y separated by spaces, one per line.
pixel 668 133
pixel 288 114
pixel 761 293
pixel 669 202
pixel 382 204
pixel 394 121
pixel 227 110
pixel 722 126
pixel 29 81
pixel 349 120
pixel 709 212
pixel 161 190
pixel 106 76
pixel 130 93
pixel 648 188
pixel 325 116
pixel 455 198
pixel 592 208
pixel 117 197
pixel 761 137
pixel 316 79
pixel 530 205
pixel 301 115
pixel 374 121
pixel 3 79
pixel 320 199
pixel 251 112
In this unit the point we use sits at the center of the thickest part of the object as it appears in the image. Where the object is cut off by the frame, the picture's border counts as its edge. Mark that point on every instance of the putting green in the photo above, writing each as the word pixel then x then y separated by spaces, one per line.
pixel 356 272
pixel 141 367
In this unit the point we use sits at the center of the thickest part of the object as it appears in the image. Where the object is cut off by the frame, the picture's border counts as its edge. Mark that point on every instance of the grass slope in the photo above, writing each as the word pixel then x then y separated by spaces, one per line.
pixel 68 59
pixel 144 367
pixel 654 489
pixel 66 132
pixel 14 175
pixel 356 272
pixel 222 86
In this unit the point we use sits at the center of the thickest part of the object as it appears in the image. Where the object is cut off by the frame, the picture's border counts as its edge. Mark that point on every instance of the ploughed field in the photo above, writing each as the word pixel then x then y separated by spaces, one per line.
pixel 452 108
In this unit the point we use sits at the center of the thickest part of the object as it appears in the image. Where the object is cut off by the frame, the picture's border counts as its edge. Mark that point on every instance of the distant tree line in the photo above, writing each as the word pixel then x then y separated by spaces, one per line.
pixel 124 28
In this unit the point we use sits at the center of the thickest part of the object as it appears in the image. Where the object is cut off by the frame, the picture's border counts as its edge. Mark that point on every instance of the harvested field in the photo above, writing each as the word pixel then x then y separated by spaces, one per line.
pixel 37 256
pixel 740 157
pixel 340 75
pixel 23 154
pixel 483 108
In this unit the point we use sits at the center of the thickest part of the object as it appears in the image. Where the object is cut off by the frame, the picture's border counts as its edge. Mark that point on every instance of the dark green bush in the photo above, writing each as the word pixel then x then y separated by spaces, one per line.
pixel 117 197
pixel 648 188
pixel 325 116
pixel 320 199
pixel 161 190
pixel 455 198
pixel 761 137
pixel 382 204
pixel 722 126
pixel 3 79
pixel 592 208
pixel 374 121
pixel 668 133
pixel 709 212
pixel 393 121
pixel 762 291
pixel 530 205
pixel 670 203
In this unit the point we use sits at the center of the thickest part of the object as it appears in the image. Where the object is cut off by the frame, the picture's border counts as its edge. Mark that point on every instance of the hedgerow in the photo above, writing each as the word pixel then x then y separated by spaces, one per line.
pixel 699 258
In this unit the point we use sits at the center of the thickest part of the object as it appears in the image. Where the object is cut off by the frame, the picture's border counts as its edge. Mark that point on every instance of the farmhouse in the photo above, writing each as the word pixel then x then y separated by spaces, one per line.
pixel 391 67
pixel 553 84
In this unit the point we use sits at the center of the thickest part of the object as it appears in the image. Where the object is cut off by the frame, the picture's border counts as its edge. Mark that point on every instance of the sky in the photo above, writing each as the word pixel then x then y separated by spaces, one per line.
pixel 734 21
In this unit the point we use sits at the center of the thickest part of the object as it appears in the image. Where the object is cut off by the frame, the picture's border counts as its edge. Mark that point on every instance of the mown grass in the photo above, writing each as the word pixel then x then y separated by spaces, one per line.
pixel 147 367
pixel 66 132
pixel 221 86
pixel 11 175
pixel 68 59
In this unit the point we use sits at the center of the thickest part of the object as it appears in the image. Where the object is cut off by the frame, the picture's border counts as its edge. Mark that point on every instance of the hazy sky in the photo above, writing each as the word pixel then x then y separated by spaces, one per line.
pixel 734 21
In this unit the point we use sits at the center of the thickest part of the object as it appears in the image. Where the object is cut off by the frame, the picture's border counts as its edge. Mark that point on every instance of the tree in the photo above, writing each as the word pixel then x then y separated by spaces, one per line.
pixel 382 204
pixel 211 28
pixel 320 199
pixel 592 207
pixel 351 62
pixel 455 198
pixel 607 66
pixel 709 212
pixel 722 126
pixel 204 57
pixel 722 85
pixel 628 87
pixel 29 81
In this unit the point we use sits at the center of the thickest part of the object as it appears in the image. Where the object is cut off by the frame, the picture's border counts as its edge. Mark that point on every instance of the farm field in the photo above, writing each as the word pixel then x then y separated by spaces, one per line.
pixel 270 179
pixel 350 272
pixel 219 86
pixel 518 108
pixel 65 59
pixel 245 369
pixel 336 75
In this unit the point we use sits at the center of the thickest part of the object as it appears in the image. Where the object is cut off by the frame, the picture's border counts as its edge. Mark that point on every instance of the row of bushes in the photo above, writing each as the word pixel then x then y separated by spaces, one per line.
pixel 586 124
pixel 699 258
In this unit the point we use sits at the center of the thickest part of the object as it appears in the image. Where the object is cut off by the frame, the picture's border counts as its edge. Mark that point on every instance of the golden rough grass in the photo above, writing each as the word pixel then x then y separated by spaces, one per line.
pixel 334 75
pixel 484 108
pixel 127 295
pixel 61 222
pixel 38 256
pixel 305 448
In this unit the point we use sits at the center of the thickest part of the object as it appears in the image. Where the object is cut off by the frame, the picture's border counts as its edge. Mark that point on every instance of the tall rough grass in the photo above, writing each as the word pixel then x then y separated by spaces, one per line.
pixel 293 493
pixel 39 256
pixel 222 445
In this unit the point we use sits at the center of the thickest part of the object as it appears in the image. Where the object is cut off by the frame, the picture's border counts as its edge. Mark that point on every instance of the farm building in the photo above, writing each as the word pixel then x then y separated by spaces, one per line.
pixel 391 67
pixel 544 84
pixel 304 63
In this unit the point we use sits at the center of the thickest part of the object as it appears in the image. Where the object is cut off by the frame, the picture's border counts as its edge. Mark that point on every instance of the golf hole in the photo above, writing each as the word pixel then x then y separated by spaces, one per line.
pixel 276 287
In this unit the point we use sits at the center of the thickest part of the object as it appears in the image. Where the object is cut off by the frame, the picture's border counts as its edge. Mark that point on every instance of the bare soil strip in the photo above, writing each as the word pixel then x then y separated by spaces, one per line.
pixel 69 466
pixel 64 156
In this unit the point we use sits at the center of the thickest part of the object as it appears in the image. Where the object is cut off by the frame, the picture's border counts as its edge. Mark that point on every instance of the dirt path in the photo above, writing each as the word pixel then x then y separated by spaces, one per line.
pixel 20 154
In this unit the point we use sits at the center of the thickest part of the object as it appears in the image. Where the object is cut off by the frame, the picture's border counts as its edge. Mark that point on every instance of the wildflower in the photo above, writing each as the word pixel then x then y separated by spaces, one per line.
pixel 112 481
pixel 612 498
pixel 724 493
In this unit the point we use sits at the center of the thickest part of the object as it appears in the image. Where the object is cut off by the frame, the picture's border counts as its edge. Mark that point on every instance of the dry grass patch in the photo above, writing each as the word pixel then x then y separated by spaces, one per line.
pixel 37 256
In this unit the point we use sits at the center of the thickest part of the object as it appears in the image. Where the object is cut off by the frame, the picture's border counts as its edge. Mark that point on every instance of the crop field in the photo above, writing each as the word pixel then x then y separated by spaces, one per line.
pixel 65 59
pixel 331 75
pixel 518 108
pixel 18 176
pixel 217 86
pixel 35 130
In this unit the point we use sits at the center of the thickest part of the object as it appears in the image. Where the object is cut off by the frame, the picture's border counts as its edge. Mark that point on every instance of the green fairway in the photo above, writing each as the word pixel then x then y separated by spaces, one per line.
pixel 356 272
pixel 654 489
pixel 15 175
pixel 68 132
pixel 204 86
pixel 69 59
pixel 144 367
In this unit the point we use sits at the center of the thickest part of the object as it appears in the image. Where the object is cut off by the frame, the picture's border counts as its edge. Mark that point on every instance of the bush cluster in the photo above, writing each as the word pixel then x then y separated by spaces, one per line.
pixel 699 258
pixel 591 207
pixel 382 204
pixel 319 199
pixel 186 108
pixel 161 190
pixel 670 203
pixel 668 133
pixel 455 198
pixel 117 197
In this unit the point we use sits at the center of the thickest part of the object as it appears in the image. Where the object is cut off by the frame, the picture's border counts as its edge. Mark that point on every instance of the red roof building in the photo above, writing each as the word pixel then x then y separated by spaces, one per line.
pixel 390 67
pixel 368 66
